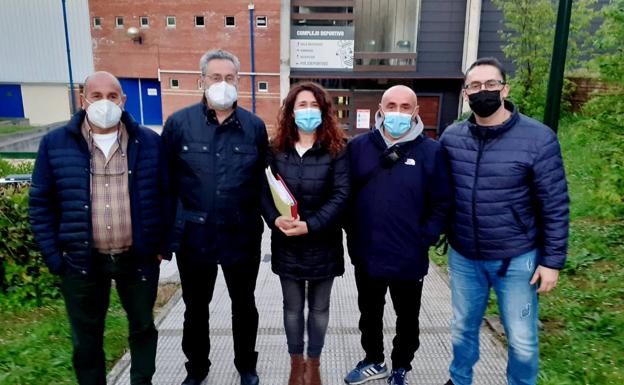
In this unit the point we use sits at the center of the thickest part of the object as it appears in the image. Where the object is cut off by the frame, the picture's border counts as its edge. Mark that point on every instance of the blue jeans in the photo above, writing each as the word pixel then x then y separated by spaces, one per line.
pixel 517 301
pixel 294 292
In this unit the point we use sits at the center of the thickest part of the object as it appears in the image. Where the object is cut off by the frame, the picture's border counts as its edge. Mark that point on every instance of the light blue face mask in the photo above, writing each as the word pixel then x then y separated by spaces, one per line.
pixel 397 123
pixel 308 119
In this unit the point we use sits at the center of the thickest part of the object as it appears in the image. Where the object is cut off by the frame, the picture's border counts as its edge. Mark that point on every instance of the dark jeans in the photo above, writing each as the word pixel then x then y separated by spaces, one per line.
pixel 198 282
pixel 406 296
pixel 87 300
pixel 294 293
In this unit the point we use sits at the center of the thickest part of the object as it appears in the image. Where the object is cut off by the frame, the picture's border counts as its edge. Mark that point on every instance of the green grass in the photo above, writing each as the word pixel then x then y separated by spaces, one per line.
pixel 13 129
pixel 582 339
pixel 35 344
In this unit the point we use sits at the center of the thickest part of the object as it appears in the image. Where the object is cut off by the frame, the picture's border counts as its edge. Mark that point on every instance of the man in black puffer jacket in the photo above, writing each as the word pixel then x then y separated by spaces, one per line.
pixel 509 227
pixel 98 205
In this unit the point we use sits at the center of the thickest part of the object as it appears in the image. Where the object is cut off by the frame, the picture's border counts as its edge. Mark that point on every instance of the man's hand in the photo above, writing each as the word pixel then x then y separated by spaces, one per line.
pixel 159 257
pixel 297 228
pixel 547 277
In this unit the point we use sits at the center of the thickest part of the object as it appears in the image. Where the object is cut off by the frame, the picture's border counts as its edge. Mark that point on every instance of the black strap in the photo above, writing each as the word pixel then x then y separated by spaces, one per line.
pixel 504 267
pixel 400 149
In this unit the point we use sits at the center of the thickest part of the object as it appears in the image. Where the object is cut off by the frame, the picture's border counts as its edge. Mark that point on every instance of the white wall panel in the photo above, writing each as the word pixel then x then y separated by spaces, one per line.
pixel 32 41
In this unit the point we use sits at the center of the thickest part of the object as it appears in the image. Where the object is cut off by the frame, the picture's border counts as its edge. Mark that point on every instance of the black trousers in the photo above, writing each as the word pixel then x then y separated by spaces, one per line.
pixel 198 282
pixel 87 299
pixel 406 296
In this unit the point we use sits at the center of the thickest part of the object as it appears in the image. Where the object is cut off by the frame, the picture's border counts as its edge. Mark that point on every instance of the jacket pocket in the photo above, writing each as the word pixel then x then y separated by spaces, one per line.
pixel 179 228
pixel 196 155
pixel 519 220
pixel 249 149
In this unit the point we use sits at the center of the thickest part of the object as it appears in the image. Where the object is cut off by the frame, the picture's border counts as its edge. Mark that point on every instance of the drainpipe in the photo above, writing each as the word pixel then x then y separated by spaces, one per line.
pixel 253 58
pixel 69 65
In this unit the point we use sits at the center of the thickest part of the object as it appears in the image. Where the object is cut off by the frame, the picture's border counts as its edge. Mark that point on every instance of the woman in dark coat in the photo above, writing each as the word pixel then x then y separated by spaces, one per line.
pixel 308 153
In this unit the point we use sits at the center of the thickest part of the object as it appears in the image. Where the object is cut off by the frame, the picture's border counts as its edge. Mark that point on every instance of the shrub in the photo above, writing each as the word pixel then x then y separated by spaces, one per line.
pixel 8 168
pixel 25 279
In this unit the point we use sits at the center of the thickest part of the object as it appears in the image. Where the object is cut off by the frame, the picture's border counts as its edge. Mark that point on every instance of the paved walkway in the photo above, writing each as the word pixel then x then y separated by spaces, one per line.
pixel 342 345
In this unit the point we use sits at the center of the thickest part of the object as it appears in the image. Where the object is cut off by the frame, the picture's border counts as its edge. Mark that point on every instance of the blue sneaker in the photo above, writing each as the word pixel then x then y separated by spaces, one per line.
pixel 366 371
pixel 397 377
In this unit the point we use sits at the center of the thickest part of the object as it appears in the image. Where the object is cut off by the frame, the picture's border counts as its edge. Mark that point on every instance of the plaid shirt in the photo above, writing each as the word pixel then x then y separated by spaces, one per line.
pixel 110 195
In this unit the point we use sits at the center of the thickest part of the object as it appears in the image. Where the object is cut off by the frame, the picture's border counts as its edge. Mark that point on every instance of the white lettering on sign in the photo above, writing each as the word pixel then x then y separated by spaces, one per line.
pixel 320 33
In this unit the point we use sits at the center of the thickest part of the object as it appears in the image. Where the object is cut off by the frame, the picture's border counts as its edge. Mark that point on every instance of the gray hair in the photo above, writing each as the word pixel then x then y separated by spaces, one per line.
pixel 217 54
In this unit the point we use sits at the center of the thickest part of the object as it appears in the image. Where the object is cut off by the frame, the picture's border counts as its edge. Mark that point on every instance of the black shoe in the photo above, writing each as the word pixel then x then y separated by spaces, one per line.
pixel 449 382
pixel 190 380
pixel 249 378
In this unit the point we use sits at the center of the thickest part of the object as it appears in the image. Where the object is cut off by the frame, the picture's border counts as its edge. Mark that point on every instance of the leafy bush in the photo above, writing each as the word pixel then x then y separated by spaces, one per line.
pixel 24 278
pixel 594 157
pixel 529 30
pixel 608 107
pixel 23 167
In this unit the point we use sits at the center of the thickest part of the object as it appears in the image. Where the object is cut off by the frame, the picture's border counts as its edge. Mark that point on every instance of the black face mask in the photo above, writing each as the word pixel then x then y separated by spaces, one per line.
pixel 485 103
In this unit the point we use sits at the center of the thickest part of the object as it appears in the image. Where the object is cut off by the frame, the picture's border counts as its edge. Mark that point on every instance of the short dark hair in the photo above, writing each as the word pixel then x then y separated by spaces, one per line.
pixel 487 61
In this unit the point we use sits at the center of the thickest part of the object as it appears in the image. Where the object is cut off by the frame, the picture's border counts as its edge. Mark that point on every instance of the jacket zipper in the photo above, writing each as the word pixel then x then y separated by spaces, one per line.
pixel 475 221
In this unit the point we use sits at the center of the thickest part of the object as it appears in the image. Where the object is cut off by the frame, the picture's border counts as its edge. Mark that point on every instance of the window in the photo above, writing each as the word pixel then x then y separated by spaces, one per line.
pixel 174 83
pixel 261 21
pixel 97 22
pixel 119 22
pixel 171 21
pixel 263 86
pixel 144 20
pixel 199 21
pixel 230 21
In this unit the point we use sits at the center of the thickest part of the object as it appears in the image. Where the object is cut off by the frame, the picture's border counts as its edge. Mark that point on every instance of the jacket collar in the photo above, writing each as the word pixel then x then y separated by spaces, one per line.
pixel 490 132
pixel 75 124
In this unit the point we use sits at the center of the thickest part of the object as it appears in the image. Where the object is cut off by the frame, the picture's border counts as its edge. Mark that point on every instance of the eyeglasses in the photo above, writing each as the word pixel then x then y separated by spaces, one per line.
pixel 215 78
pixel 490 85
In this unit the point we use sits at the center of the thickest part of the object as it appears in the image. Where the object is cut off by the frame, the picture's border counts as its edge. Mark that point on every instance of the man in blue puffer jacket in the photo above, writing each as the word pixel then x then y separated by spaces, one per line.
pixel 98 205
pixel 509 227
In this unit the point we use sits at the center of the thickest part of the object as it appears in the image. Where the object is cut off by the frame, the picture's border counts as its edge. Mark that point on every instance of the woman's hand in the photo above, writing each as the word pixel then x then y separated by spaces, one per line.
pixel 297 227
pixel 284 223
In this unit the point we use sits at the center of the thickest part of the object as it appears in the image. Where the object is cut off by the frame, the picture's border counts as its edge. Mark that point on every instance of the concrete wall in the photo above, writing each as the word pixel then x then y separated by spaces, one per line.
pixel 45 104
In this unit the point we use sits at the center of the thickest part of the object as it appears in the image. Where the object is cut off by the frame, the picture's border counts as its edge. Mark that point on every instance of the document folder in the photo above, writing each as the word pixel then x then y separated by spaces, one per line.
pixel 284 201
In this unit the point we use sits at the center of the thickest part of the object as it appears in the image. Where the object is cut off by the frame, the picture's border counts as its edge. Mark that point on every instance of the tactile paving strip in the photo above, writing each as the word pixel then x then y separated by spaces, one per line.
pixel 342 344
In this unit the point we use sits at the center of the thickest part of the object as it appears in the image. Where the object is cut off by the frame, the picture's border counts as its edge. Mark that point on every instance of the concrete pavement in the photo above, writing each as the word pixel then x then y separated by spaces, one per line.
pixel 342 345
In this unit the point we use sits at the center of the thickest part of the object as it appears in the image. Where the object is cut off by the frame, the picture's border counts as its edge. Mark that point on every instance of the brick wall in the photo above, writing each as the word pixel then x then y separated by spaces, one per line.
pixel 180 48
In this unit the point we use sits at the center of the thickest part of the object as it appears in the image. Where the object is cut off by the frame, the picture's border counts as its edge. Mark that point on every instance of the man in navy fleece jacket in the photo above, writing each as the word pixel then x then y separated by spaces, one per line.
pixel 401 198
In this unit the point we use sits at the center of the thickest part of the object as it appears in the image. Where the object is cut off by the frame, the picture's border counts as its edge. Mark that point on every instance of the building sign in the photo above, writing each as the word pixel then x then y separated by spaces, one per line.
pixel 322 48
pixel 362 119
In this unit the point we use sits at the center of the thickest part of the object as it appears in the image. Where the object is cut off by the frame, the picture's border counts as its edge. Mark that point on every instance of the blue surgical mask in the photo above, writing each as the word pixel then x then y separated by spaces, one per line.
pixel 397 123
pixel 308 119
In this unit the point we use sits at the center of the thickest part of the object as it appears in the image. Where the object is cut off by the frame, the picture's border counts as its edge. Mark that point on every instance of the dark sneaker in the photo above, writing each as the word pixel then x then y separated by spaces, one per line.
pixel 192 380
pixel 249 378
pixel 449 382
pixel 397 377
pixel 366 371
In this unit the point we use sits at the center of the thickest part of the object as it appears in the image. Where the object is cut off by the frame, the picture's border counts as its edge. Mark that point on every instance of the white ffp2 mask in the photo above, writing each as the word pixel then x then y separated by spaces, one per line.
pixel 221 96
pixel 104 113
